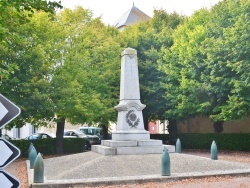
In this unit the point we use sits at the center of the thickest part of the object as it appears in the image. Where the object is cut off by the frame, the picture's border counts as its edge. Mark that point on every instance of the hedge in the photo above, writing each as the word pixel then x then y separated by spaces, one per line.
pixel 224 141
pixel 48 146
pixel 164 137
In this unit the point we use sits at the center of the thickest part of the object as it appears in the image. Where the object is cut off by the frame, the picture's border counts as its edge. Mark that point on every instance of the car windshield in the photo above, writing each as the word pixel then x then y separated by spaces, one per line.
pixel 91 131
pixel 85 131
pixel 79 132
pixel 34 136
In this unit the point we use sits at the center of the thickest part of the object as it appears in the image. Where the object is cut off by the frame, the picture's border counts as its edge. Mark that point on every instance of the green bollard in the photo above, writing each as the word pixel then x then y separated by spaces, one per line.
pixel 30 147
pixel 32 157
pixel 29 150
pixel 165 163
pixel 214 155
pixel 38 169
pixel 178 146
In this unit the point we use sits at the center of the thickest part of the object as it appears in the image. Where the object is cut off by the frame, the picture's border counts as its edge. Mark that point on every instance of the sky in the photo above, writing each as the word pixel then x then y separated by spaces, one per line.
pixel 111 10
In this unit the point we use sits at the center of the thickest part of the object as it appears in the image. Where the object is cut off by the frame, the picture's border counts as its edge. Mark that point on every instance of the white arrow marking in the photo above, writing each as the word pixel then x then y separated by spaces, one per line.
pixel 6 152
pixel 3 111
pixel 5 182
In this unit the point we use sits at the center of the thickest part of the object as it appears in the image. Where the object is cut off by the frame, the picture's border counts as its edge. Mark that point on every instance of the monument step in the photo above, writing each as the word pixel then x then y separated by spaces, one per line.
pixel 104 150
pixel 131 143
pixel 139 150
pixel 131 150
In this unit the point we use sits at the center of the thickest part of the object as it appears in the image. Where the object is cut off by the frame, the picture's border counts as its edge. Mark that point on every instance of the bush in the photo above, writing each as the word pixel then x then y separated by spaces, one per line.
pixel 48 146
pixel 224 141
pixel 45 146
pixel 22 145
pixel 73 145
pixel 164 137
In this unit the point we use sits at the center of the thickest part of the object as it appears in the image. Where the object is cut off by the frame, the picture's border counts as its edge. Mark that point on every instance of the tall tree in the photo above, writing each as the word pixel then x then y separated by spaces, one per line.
pixel 85 81
pixel 22 71
pixel 28 86
pixel 202 54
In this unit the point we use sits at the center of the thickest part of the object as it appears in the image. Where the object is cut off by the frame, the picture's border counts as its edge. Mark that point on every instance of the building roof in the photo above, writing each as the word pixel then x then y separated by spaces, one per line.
pixel 132 16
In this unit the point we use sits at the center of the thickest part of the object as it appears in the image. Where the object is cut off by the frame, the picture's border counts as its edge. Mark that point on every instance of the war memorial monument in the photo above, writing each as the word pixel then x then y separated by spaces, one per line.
pixel 130 137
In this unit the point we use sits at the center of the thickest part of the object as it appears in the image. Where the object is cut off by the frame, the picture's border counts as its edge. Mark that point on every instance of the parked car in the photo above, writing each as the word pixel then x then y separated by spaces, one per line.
pixel 94 131
pixel 37 136
pixel 6 137
pixel 90 139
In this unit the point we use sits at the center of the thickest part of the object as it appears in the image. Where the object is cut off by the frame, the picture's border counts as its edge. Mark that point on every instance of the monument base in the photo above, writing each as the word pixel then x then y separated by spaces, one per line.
pixel 130 135
pixel 131 147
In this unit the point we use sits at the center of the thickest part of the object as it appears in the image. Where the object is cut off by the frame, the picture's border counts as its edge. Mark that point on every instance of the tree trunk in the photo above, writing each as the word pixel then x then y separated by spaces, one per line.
pixel 59 135
pixel 104 131
pixel 145 119
pixel 218 127
pixel 172 130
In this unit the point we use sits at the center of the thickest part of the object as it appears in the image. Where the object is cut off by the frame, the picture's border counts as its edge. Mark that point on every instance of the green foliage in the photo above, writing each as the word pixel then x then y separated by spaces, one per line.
pixel 164 137
pixel 68 66
pixel 45 146
pixel 73 145
pixel 13 15
pixel 22 145
pixel 225 141
pixel 48 146
pixel 203 141
pixel 28 86
pixel 206 69
pixel 86 80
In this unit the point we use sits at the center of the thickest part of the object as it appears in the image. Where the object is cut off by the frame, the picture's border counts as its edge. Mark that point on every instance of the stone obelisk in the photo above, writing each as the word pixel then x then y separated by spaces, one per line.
pixel 130 124
pixel 130 137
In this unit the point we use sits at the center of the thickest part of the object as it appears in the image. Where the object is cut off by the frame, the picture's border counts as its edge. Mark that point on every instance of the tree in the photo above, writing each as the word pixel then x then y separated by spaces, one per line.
pixel 68 69
pixel 85 80
pixel 15 43
pixel 29 85
pixel 14 14
pixel 203 54
pixel 235 52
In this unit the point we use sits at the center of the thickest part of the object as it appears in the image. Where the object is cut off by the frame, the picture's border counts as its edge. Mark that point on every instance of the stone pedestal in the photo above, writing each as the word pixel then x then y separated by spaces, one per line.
pixel 130 136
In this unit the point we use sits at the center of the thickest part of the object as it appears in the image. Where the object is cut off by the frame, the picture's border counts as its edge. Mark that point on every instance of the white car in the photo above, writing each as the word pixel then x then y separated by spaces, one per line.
pixel 37 136
pixel 90 139
pixel 95 131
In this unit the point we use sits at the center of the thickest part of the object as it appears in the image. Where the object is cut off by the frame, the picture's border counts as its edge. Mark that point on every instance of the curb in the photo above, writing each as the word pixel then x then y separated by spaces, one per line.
pixel 109 181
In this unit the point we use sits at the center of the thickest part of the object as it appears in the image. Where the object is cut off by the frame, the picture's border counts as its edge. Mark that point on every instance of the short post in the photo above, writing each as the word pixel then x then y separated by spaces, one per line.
pixel 32 157
pixel 214 152
pixel 165 163
pixel 30 147
pixel 38 169
pixel 178 146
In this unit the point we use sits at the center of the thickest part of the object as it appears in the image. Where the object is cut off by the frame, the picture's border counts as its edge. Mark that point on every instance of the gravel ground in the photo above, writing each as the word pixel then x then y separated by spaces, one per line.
pixel 18 169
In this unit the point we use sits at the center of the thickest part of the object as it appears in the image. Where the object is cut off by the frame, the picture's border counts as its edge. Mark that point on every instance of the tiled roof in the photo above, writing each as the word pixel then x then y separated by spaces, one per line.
pixel 131 17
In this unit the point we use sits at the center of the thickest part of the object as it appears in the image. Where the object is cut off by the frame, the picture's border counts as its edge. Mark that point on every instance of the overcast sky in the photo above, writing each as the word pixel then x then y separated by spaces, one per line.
pixel 111 10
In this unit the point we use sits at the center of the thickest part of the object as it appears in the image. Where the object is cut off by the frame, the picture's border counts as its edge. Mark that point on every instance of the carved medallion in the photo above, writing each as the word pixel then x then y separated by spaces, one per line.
pixel 132 119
